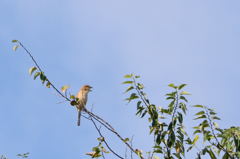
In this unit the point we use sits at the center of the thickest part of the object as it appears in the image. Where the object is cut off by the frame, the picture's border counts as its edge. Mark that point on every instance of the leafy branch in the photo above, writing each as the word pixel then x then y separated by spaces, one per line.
pixel 207 127
pixel 165 136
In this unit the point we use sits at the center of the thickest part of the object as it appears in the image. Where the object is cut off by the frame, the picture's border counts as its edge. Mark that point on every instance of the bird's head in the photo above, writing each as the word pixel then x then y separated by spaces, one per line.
pixel 86 88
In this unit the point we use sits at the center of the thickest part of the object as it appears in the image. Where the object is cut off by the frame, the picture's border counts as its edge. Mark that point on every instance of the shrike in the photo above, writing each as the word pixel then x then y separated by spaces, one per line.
pixel 82 100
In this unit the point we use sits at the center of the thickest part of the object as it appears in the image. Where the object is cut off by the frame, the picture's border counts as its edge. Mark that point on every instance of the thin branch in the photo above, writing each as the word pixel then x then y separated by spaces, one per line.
pixel 126 151
pixel 131 141
pixel 175 106
pixel 99 132
pixel 154 139
pixel 103 155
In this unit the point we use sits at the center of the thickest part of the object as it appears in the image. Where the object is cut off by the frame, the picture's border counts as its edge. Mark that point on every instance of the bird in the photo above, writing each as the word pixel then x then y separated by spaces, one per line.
pixel 82 96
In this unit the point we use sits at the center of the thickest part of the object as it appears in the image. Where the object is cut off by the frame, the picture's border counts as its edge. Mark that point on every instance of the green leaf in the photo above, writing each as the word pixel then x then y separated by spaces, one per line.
pixel 72 97
pixel 94 154
pixel 157 151
pixel 171 139
pixel 138 152
pixel 195 139
pixel 201 117
pixel 189 148
pixel 126 140
pixel 140 109
pixel 128 76
pixel 212 113
pixel 180 117
pixel 225 156
pixel 140 86
pixel 183 107
pixel 129 88
pixel 185 93
pixel 15 47
pixel 197 131
pixel 127 82
pixel 32 69
pixel 170 98
pixel 216 118
pixel 200 113
pixel 132 97
pixel 158 139
pixel 139 103
pixel 14 41
pixel 73 103
pixel 172 94
pixel 183 98
pixel 172 85
pixel 48 84
pixel 211 154
pixel 24 155
pixel 137 76
pixel 36 75
pixel 96 149
pixel 170 126
pixel 198 106
pixel 144 113
pixel 181 86
pixel 215 125
pixel 43 77
pixel 171 104
pixel 64 88
pixel 101 139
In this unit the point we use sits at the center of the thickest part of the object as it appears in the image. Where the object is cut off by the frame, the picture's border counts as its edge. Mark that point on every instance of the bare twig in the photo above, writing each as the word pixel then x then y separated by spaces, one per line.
pixel 154 139
pixel 103 155
pixel 126 151
pixel 131 141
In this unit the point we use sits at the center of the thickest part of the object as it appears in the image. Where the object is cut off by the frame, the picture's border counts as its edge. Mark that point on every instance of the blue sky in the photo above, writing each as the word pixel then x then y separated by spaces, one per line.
pixel 97 42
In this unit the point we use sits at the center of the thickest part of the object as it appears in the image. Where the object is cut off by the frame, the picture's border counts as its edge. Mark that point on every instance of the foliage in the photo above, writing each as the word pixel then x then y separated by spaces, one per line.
pixel 3 157
pixel 166 124
pixel 24 155
pixel 99 150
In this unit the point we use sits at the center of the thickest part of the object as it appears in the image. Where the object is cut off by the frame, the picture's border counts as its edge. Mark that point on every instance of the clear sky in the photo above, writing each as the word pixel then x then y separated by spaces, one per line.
pixel 96 42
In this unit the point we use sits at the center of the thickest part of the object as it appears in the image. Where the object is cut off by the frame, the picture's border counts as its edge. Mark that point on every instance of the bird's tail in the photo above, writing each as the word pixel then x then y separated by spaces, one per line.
pixel 79 117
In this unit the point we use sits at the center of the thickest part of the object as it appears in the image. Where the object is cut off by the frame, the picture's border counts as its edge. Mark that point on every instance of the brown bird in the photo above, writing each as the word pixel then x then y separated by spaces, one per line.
pixel 82 100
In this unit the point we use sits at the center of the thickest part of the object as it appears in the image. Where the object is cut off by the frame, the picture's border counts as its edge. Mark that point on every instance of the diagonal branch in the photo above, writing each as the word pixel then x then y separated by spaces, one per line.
pixel 92 115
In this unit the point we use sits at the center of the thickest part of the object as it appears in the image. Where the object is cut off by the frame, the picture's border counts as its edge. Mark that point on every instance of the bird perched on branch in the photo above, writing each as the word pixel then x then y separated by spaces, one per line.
pixel 82 100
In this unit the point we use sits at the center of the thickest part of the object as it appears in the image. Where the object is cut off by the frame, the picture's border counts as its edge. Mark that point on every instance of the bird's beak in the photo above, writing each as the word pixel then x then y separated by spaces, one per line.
pixel 90 89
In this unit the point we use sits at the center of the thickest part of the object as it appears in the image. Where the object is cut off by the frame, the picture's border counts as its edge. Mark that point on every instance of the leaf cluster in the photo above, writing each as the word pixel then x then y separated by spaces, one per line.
pixel 99 150
pixel 166 124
